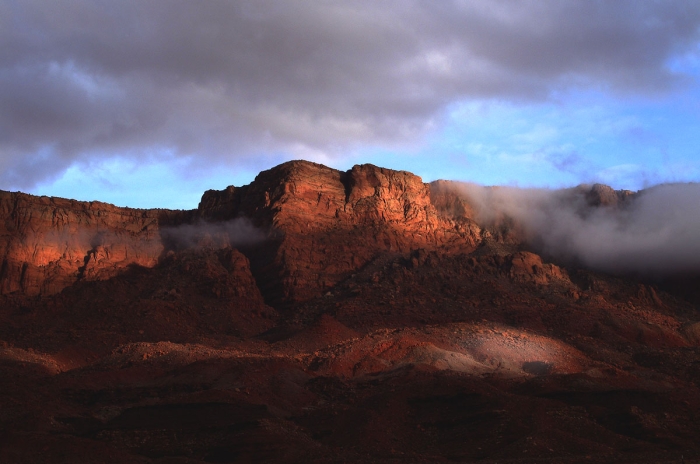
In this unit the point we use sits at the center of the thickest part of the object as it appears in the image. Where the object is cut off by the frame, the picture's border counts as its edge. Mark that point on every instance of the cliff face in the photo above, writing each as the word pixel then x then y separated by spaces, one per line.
pixel 47 244
pixel 332 223
pixel 322 225
pixel 315 226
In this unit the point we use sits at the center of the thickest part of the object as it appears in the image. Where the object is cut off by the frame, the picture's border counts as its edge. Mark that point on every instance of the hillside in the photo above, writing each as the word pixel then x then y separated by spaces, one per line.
pixel 316 315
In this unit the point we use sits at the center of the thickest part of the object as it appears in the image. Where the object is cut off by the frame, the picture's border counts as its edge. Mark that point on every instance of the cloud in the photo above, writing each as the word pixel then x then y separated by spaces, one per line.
pixel 566 161
pixel 235 233
pixel 229 82
pixel 651 232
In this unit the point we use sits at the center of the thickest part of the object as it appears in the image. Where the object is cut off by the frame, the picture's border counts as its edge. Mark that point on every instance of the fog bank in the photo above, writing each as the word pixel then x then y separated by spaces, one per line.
pixel 653 231
pixel 236 232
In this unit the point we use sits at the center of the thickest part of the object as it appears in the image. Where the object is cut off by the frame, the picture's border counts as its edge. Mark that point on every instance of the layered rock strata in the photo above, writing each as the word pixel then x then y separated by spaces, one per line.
pixel 331 223
pixel 47 244
pixel 303 226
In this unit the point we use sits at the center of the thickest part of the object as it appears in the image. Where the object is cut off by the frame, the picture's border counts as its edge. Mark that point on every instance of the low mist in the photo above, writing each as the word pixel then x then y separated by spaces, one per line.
pixel 235 232
pixel 654 231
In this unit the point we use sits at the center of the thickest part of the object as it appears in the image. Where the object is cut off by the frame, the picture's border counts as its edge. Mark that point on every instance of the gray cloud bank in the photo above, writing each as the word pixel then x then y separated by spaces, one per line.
pixel 234 81
pixel 655 231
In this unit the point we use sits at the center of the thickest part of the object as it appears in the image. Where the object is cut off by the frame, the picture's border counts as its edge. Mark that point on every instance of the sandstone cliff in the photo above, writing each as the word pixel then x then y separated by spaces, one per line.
pixel 332 223
pixel 47 244
pixel 314 226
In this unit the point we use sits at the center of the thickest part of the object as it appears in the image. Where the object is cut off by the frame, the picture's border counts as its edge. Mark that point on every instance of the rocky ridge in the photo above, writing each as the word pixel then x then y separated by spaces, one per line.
pixel 326 316
pixel 322 223
pixel 318 225
pixel 332 223
pixel 47 244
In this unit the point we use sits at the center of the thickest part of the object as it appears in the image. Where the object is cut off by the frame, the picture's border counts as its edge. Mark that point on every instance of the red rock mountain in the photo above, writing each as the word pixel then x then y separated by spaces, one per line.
pixel 48 244
pixel 325 225
pixel 332 223
pixel 316 315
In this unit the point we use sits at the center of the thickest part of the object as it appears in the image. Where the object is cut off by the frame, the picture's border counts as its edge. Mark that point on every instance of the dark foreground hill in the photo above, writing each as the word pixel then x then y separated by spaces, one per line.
pixel 325 316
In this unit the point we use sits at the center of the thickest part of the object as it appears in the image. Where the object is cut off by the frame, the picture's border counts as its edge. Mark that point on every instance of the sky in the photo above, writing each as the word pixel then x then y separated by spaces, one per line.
pixel 149 104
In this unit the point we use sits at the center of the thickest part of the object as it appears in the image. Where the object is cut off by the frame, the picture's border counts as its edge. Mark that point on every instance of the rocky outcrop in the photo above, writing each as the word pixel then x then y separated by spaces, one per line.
pixel 321 225
pixel 603 195
pixel 332 223
pixel 447 198
pixel 47 244
pixel 303 226
pixel 528 267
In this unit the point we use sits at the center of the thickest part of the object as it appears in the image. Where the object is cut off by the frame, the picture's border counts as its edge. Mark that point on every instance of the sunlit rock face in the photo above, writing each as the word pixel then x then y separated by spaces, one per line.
pixel 330 223
pixel 321 225
pixel 528 267
pixel 306 227
pixel 47 244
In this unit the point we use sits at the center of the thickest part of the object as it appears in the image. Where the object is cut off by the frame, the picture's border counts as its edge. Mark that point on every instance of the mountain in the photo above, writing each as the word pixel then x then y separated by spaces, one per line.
pixel 316 315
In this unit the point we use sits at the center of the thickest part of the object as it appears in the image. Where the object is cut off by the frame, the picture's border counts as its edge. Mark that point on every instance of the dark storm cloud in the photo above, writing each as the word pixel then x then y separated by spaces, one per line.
pixel 225 81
